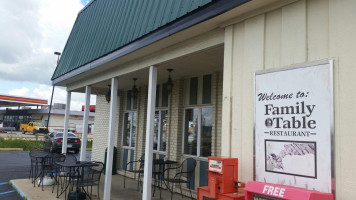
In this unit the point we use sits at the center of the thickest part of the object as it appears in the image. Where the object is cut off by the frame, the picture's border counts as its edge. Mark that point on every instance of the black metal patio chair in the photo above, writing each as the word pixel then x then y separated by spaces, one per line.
pixel 89 177
pixel 59 173
pixel 35 163
pixel 48 165
pixel 182 174
pixel 64 174
pixel 139 170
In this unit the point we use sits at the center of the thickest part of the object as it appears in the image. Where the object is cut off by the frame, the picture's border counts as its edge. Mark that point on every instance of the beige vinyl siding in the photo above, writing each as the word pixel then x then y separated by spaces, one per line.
pixel 303 31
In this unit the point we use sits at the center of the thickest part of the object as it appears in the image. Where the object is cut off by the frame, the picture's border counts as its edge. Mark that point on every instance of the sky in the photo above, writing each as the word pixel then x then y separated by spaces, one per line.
pixel 31 31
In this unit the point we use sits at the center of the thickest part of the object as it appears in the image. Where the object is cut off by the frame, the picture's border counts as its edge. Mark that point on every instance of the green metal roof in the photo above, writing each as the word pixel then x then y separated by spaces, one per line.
pixel 104 26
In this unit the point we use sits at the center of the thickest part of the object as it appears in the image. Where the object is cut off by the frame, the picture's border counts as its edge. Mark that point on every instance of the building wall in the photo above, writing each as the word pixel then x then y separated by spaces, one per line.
pixel 119 134
pixel 56 122
pixel 303 31
pixel 100 137
pixel 217 85
pixel 141 125
pixel 175 117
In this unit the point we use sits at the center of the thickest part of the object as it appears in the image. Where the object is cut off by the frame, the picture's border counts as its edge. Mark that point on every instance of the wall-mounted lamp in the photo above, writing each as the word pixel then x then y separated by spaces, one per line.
pixel 134 90
pixel 108 95
pixel 169 82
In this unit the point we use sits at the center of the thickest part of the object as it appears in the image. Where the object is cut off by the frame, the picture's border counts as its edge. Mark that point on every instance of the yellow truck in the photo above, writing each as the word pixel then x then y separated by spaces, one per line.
pixel 33 127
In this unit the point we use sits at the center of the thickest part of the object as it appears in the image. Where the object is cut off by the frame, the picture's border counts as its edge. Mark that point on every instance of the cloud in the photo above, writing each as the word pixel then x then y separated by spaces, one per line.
pixel 31 32
pixel 60 95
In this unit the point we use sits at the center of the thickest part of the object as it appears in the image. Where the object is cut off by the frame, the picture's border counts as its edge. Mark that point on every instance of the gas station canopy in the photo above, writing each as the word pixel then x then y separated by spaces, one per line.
pixel 11 101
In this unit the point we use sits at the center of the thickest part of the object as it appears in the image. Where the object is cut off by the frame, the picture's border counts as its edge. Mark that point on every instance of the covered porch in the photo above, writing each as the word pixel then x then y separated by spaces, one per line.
pixel 169 124
pixel 25 188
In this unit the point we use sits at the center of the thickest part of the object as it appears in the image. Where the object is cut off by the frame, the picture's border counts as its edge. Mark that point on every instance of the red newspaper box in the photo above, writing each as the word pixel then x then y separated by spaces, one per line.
pixel 223 181
pixel 268 190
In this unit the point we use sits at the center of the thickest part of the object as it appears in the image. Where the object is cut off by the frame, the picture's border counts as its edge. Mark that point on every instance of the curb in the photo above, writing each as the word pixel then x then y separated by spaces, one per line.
pixel 18 190
pixel 11 149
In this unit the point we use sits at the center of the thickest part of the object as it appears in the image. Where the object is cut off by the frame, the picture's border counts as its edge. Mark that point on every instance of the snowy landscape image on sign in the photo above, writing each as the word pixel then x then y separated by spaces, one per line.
pixel 289 157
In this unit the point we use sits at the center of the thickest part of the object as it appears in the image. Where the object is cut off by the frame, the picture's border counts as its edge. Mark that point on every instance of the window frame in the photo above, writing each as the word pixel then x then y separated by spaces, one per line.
pixel 200 107
pixel 123 129
pixel 160 130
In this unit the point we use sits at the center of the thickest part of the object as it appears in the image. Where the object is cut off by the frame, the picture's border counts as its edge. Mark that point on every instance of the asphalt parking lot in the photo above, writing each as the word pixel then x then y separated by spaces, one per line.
pixel 15 165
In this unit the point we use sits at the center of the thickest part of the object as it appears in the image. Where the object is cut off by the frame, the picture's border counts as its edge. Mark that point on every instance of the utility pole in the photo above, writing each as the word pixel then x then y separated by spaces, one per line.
pixel 50 105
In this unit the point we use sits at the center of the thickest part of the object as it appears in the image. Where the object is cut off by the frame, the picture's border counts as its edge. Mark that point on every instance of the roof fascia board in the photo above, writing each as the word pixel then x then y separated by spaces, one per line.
pixel 210 11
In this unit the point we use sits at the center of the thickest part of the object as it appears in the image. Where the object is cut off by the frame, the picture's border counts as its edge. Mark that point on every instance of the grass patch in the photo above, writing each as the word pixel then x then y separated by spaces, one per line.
pixel 90 144
pixel 26 145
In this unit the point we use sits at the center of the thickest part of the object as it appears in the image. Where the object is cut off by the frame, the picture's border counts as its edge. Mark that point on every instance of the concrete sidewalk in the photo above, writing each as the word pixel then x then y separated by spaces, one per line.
pixel 118 192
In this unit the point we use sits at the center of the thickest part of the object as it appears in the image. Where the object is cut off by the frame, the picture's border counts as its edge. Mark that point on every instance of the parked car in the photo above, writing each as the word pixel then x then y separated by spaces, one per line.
pixel 54 142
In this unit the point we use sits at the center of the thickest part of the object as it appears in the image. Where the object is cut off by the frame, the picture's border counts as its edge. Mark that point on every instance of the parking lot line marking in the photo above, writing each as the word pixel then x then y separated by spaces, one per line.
pixel 7 192
pixel 4 183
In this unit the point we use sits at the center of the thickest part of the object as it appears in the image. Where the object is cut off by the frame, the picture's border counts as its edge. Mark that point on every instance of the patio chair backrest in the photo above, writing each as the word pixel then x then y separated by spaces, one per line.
pixel 46 146
pixel 48 162
pixel 142 161
pixel 188 167
pixel 51 158
pixel 33 153
pixel 59 158
pixel 142 158
pixel 94 172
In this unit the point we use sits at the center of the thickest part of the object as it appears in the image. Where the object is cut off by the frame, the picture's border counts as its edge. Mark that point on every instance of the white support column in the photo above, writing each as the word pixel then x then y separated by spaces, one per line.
pixel 147 180
pixel 66 122
pixel 110 152
pixel 83 150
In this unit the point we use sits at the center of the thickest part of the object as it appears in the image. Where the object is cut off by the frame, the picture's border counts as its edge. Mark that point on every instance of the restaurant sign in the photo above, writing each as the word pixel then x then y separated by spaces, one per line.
pixel 294 126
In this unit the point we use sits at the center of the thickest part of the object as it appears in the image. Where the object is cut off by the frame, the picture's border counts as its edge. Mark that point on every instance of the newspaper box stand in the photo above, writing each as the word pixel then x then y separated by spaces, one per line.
pixel 222 180
pixel 268 190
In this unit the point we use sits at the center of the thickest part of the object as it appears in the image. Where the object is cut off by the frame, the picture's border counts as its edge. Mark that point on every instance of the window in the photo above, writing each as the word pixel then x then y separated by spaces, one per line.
pixel 193 91
pixel 162 96
pixel 191 131
pixel 198 131
pixel 129 129
pixel 131 101
pixel 60 135
pixel 198 90
pixel 206 89
pixel 38 124
pixel 160 130
pixel 206 131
